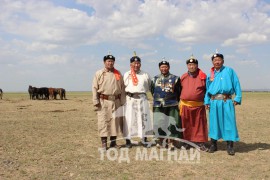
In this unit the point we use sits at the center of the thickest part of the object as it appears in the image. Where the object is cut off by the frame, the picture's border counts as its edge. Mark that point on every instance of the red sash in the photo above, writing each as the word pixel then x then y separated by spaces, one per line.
pixel 202 75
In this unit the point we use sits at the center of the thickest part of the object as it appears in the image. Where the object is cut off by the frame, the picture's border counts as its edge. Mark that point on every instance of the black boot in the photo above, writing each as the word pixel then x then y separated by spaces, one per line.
pixel 128 143
pixel 213 146
pixel 104 143
pixel 230 149
pixel 202 147
pixel 144 142
pixel 185 146
pixel 113 142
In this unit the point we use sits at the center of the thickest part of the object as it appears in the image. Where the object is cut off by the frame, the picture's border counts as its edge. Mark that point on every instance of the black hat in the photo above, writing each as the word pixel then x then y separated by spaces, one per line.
pixel 192 60
pixel 164 63
pixel 109 56
pixel 135 58
pixel 217 55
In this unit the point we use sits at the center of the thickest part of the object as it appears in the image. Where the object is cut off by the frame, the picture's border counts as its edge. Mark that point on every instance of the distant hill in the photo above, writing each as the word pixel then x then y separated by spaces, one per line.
pixel 256 90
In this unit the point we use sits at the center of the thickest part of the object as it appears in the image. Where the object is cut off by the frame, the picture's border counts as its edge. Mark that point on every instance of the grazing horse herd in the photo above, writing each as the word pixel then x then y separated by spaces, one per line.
pixel 43 93
pixel 46 93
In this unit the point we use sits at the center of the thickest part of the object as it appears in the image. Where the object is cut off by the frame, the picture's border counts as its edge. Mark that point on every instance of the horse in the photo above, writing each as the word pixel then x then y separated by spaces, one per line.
pixel 61 92
pixel 1 93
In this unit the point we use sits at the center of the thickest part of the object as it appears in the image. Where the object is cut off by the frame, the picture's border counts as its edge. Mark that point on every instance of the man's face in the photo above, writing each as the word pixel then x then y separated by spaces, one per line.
pixel 164 69
pixel 192 67
pixel 109 64
pixel 136 65
pixel 217 62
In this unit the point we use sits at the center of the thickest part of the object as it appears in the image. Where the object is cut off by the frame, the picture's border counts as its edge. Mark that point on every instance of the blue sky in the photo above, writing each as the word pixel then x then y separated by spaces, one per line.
pixel 61 43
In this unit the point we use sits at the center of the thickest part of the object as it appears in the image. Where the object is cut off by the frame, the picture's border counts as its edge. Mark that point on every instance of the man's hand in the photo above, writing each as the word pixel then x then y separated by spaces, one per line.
pixel 235 103
pixel 97 107
pixel 207 106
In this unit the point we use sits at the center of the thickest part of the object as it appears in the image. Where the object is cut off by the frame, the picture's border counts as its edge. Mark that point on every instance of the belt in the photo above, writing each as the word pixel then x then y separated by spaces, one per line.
pixel 221 97
pixel 135 95
pixel 109 97
pixel 165 98
pixel 189 104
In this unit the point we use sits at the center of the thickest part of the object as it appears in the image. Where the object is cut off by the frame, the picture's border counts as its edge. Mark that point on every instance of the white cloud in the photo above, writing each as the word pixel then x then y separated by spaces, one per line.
pixel 40 46
pixel 44 22
pixel 207 57
pixel 184 32
pixel 132 21
pixel 47 35
pixel 251 63
pixel 52 59
pixel 49 59
pixel 246 39
pixel 188 48
pixel 242 50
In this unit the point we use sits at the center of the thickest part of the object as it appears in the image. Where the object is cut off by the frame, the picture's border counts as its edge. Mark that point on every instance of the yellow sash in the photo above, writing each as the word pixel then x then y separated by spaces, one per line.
pixel 189 104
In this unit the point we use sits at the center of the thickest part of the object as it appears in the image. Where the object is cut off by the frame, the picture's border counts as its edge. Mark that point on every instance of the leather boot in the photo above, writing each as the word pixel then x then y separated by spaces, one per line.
pixel 202 147
pixel 144 142
pixel 171 146
pixel 113 142
pixel 230 149
pixel 213 146
pixel 160 143
pixel 104 143
pixel 128 143
pixel 144 139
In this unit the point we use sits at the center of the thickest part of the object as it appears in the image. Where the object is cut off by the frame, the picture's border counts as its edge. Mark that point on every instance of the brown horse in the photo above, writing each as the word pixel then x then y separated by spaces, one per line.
pixel 61 92
pixel 52 93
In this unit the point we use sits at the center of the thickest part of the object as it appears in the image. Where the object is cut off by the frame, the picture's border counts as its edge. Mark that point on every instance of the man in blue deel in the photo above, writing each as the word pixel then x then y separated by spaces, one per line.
pixel 221 84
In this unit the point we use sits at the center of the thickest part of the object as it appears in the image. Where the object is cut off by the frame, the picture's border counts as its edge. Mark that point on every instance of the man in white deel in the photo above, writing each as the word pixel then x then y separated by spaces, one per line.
pixel 137 120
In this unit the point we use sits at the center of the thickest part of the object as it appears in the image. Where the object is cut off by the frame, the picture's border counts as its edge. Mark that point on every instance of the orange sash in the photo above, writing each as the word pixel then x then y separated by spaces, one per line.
pixel 189 104
pixel 134 77
pixel 117 74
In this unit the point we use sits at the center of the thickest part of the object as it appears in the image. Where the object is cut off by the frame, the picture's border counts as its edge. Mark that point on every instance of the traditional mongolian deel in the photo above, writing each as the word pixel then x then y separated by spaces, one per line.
pixel 192 109
pixel 166 92
pixel 222 122
pixel 137 121
pixel 108 90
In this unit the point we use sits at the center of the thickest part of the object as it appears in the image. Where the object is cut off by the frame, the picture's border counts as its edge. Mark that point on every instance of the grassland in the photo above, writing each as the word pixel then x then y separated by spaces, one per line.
pixel 57 139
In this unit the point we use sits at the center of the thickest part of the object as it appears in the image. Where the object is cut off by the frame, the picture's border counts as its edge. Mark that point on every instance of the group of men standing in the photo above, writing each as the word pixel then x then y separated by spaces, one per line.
pixel 179 104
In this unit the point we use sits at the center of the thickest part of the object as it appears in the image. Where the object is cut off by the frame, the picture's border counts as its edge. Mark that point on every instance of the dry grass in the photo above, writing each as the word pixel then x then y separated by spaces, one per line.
pixel 57 139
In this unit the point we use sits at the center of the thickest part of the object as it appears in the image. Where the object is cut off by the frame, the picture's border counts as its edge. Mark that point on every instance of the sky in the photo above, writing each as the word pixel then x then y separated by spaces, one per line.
pixel 61 43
